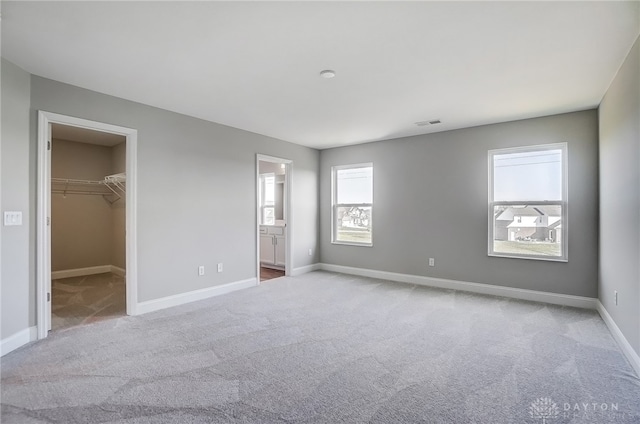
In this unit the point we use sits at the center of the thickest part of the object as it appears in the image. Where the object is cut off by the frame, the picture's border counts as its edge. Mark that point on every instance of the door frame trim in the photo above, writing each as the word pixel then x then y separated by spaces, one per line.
pixel 288 229
pixel 43 231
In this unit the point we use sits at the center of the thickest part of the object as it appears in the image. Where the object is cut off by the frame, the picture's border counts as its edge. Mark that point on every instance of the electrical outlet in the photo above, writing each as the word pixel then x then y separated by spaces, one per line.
pixel 310 252
pixel 432 262
pixel 615 293
pixel 220 267
pixel 201 270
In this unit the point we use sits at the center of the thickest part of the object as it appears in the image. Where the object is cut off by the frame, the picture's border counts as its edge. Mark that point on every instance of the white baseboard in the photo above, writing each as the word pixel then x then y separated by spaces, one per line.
pixel 622 341
pixel 79 272
pixel 17 340
pixel 304 269
pixel 118 271
pixel 523 294
pixel 271 266
pixel 192 296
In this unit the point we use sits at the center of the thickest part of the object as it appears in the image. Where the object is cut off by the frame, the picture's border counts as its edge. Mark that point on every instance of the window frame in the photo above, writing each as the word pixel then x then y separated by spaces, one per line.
pixel 335 205
pixel 563 203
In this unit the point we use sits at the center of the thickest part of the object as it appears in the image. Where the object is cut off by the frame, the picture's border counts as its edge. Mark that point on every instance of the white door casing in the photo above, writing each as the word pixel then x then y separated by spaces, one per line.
pixel 288 215
pixel 43 220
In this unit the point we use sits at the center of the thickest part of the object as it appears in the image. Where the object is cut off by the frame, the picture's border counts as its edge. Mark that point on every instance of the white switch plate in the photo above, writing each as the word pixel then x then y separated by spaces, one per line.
pixel 12 218
pixel 220 267
pixel 310 252
pixel 432 262
pixel 201 270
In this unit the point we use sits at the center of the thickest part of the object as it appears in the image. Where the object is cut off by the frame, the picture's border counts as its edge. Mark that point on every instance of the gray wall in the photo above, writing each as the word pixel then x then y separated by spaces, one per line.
pixel 430 200
pixel 620 198
pixel 16 278
pixel 196 190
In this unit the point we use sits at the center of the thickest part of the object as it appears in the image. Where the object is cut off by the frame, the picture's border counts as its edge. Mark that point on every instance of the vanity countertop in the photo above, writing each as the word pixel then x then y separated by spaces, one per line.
pixel 279 223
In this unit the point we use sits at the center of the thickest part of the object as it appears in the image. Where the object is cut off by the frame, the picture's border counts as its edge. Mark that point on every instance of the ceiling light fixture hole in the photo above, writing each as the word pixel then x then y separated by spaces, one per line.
pixel 328 73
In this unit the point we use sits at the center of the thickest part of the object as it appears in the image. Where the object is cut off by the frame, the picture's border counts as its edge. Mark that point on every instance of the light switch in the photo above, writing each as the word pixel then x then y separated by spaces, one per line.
pixel 12 218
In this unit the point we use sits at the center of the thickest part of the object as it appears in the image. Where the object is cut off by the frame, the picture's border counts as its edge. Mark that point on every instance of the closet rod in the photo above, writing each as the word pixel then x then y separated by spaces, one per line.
pixel 104 194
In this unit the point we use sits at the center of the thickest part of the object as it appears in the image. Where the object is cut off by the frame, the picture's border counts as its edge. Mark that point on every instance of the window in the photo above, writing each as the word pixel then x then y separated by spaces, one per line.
pixel 267 199
pixel 528 202
pixel 352 200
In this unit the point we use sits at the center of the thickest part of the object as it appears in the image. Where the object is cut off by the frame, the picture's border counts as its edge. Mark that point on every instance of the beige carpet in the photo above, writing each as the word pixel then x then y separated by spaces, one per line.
pixel 328 348
pixel 82 300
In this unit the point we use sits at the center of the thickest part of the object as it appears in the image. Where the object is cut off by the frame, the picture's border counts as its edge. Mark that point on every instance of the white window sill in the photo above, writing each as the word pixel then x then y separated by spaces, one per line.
pixel 534 258
pixel 347 243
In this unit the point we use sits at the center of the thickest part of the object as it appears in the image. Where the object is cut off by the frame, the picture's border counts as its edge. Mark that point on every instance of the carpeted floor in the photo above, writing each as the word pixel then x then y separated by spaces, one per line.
pixel 328 348
pixel 87 299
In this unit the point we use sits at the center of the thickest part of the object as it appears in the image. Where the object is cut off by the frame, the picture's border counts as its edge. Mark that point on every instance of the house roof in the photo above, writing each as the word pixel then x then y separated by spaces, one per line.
pixel 554 223
pixel 534 211
pixel 527 222
pixel 533 221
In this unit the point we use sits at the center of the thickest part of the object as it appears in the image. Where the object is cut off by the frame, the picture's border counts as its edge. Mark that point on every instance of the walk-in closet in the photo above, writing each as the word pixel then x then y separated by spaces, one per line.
pixel 88 239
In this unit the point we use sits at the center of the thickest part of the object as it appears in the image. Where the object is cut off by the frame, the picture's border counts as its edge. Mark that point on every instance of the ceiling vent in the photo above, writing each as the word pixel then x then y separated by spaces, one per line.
pixel 425 123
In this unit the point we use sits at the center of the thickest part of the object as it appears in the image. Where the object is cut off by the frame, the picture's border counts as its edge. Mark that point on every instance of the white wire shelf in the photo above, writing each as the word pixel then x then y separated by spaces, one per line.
pixel 112 187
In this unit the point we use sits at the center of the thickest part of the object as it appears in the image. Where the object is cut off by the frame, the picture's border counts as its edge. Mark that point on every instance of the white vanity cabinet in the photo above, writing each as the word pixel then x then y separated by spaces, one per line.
pixel 280 251
pixel 272 246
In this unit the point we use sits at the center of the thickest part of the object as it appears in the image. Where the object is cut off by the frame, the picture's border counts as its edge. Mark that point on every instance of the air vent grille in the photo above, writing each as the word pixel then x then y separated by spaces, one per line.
pixel 425 123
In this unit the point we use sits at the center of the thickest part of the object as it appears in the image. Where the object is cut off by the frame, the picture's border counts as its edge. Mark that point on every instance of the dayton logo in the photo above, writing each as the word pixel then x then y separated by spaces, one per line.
pixel 545 409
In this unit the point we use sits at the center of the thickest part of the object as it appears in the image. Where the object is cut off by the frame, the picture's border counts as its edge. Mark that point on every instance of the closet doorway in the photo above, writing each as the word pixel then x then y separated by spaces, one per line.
pixel 274 217
pixel 88 209
pixel 86 269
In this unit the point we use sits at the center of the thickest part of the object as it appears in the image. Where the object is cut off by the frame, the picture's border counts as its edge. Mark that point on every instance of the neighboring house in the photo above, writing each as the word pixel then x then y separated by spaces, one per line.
pixel 555 231
pixel 539 223
pixel 355 217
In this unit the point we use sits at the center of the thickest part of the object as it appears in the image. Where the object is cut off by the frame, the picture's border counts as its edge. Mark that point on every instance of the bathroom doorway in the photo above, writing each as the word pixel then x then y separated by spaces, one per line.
pixel 273 217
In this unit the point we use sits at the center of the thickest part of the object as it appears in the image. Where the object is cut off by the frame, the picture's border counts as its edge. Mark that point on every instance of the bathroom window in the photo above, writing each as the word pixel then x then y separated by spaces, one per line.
pixel 267 199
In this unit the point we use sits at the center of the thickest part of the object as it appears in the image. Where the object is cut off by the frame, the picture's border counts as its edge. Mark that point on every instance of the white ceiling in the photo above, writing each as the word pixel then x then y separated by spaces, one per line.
pixel 85 135
pixel 256 65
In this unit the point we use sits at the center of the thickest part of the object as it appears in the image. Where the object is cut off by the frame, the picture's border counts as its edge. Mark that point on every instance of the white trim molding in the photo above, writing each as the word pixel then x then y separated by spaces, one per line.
pixel 288 211
pixel 195 295
pixel 515 293
pixel 118 271
pixel 43 207
pixel 622 341
pixel 304 269
pixel 17 340
pixel 81 272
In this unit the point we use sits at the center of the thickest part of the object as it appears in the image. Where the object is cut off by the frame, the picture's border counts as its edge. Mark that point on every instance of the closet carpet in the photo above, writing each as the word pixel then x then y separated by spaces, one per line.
pixel 87 299
pixel 328 348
